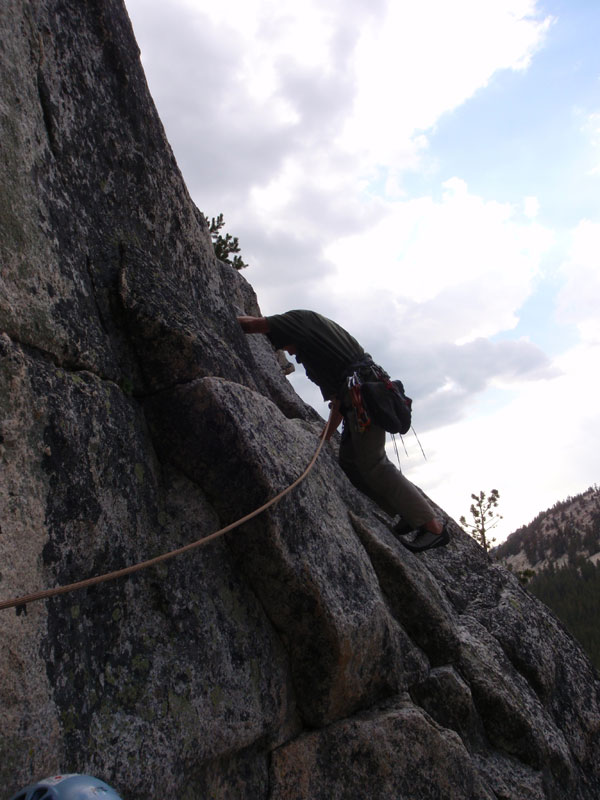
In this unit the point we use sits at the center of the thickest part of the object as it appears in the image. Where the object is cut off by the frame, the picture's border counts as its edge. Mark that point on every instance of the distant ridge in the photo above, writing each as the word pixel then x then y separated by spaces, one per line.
pixel 557 536
pixel 557 556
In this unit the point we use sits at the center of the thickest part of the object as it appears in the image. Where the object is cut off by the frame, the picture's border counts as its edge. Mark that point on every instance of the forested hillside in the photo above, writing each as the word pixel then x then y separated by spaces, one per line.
pixel 557 556
pixel 569 529
pixel 573 593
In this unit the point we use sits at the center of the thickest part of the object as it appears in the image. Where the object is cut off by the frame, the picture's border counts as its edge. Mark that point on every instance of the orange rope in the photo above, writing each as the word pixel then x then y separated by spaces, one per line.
pixel 120 573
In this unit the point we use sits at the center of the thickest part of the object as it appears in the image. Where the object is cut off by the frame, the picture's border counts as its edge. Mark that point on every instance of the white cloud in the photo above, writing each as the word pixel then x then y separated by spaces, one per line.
pixel 538 447
pixel 579 299
pixel 246 87
pixel 531 207
pixel 451 270
pixel 534 449
pixel 426 59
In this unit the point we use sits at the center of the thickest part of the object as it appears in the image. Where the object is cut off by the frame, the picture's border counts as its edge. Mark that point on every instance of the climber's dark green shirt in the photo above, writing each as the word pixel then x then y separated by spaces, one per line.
pixel 324 348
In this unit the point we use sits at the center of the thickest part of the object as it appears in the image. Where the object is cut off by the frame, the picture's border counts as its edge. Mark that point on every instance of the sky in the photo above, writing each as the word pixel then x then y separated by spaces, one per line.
pixel 428 175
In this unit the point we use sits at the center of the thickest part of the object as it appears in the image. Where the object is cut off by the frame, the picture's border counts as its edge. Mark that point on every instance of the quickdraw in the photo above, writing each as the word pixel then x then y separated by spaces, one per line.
pixel 363 420
pixel 382 376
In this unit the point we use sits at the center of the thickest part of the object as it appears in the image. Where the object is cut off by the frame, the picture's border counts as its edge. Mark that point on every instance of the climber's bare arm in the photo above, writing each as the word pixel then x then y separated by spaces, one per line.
pixel 254 324
pixel 336 418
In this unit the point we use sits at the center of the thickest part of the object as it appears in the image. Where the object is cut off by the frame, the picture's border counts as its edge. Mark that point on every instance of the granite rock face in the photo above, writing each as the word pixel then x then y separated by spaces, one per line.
pixel 304 655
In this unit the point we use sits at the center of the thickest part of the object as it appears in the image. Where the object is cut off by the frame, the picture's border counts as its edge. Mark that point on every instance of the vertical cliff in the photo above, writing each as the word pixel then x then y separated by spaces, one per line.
pixel 305 655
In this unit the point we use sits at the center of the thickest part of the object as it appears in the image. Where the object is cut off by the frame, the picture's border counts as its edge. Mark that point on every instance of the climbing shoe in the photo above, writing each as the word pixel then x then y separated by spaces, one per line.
pixel 402 527
pixel 426 540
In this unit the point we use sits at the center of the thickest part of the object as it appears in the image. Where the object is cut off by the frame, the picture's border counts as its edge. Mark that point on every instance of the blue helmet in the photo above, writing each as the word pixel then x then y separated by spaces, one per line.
pixel 68 787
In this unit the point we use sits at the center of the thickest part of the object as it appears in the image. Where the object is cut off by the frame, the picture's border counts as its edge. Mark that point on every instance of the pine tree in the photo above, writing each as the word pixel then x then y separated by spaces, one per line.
pixel 485 517
pixel 224 246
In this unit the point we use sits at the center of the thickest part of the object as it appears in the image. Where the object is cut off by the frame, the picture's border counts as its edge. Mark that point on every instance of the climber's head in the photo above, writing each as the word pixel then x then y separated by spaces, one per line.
pixel 67 787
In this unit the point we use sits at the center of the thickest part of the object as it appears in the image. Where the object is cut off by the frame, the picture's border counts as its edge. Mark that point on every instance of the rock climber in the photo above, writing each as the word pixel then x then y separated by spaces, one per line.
pixel 330 355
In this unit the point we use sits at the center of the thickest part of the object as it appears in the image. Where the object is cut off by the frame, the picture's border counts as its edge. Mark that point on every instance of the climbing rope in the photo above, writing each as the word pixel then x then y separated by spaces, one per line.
pixel 121 573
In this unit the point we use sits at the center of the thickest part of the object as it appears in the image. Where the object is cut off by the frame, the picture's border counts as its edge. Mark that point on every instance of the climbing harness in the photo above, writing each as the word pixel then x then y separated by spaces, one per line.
pixel 121 573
